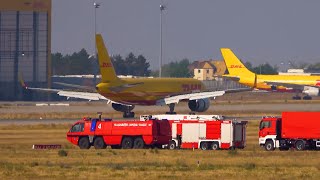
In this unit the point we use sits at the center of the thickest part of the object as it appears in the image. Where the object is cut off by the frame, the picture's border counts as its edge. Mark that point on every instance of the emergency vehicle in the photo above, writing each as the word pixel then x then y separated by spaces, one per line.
pixel 296 130
pixel 207 132
pixel 119 134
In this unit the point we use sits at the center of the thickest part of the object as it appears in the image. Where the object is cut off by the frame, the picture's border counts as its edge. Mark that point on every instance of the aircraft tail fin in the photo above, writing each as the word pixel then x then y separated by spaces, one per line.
pixel 107 70
pixel 234 65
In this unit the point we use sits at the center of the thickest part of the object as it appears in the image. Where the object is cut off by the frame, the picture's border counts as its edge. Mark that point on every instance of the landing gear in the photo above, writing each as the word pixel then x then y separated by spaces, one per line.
pixel 171 109
pixel 307 97
pixel 128 114
pixel 296 97
pixel 126 109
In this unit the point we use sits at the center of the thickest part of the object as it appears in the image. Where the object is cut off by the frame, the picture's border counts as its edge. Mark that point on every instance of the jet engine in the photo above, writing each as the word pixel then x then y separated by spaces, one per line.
pixel 199 105
pixel 121 107
pixel 311 91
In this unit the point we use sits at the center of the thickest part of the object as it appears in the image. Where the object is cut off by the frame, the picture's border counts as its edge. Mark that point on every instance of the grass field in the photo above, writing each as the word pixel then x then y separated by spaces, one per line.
pixel 19 161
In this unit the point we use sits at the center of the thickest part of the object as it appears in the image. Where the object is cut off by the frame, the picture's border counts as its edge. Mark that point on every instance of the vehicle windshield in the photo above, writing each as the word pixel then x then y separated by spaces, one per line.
pixel 265 124
pixel 77 128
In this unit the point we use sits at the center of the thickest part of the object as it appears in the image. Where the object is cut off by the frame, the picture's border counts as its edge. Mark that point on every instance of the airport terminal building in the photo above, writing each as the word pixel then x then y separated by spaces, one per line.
pixel 25 47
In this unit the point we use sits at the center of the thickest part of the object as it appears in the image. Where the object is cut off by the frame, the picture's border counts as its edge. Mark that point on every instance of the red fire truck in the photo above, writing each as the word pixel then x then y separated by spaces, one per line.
pixel 119 134
pixel 207 132
pixel 297 130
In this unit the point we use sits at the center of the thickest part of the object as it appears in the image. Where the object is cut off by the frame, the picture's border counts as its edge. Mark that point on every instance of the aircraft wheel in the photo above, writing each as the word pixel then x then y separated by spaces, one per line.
pixel 296 97
pixel 307 97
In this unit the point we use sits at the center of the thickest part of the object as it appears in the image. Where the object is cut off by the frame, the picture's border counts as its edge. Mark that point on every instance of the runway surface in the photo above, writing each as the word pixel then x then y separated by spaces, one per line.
pixel 278 107
pixel 247 111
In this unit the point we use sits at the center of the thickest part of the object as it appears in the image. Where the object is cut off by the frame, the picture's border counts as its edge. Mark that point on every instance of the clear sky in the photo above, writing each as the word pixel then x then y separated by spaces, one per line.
pixel 257 31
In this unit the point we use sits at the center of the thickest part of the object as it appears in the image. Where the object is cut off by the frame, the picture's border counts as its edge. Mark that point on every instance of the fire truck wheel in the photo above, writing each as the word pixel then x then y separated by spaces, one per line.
pixel 269 146
pixel 99 143
pixel 172 145
pixel 127 143
pixel 215 146
pixel 204 146
pixel 300 145
pixel 84 143
pixel 138 143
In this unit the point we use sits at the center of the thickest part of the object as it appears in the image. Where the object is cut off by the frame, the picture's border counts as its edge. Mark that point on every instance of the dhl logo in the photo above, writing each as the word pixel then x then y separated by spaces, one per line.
pixel 105 65
pixel 190 87
pixel 236 66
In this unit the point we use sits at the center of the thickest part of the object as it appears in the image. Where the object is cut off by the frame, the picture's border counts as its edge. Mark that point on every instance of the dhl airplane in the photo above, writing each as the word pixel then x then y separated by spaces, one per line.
pixel 306 84
pixel 125 93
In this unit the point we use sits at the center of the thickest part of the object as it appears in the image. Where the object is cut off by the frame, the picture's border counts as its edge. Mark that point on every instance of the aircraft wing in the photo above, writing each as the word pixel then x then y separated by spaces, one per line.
pixel 289 85
pixel 83 95
pixel 72 94
pixel 199 95
pixel 191 96
pixel 88 88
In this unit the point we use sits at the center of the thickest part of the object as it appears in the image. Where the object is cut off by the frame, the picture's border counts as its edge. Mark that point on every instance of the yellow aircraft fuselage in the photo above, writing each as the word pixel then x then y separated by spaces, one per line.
pixel 289 79
pixel 240 73
pixel 146 91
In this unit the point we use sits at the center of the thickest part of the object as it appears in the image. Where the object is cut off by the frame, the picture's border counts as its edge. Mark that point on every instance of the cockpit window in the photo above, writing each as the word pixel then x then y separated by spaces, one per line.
pixel 265 124
pixel 77 128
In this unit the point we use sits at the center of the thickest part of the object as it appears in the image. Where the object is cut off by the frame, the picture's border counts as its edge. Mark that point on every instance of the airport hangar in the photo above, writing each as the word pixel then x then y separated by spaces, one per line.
pixel 25 47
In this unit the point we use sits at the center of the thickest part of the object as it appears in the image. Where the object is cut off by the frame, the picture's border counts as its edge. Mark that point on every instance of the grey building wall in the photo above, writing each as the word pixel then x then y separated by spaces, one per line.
pixel 23 53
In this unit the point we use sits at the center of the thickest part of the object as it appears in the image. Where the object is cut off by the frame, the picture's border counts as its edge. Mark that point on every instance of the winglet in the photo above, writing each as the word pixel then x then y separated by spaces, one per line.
pixel 106 67
pixel 23 84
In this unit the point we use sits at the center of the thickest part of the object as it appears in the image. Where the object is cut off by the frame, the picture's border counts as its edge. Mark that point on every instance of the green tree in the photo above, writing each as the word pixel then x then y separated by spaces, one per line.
pixel 131 65
pixel 77 63
pixel 265 69
pixel 313 68
pixel 177 69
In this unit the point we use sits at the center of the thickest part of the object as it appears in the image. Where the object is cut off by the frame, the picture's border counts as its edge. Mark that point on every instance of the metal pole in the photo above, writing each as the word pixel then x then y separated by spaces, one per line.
pixel 162 7
pixel 260 69
pixel 96 6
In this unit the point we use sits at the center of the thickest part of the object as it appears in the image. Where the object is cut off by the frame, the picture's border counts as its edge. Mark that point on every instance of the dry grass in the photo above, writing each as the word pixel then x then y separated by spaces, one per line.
pixel 18 160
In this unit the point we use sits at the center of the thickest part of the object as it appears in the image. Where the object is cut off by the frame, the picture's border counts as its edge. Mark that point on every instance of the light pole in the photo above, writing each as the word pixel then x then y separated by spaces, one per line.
pixel 96 6
pixel 162 7
pixel 261 66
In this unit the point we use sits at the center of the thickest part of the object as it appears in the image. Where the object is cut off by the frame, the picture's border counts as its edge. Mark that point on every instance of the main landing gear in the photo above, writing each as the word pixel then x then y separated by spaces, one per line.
pixel 171 108
pixel 125 109
pixel 128 114
pixel 297 97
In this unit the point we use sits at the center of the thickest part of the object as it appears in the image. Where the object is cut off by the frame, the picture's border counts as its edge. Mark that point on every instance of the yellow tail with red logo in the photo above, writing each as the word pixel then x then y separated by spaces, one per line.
pixel 234 65
pixel 237 70
pixel 107 71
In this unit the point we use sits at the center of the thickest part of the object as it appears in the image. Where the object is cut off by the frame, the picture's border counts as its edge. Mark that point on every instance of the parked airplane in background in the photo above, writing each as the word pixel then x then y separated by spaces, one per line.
pixel 125 93
pixel 306 84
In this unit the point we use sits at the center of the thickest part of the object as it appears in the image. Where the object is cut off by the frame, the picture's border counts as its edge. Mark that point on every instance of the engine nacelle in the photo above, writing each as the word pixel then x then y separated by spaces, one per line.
pixel 311 91
pixel 199 105
pixel 122 108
